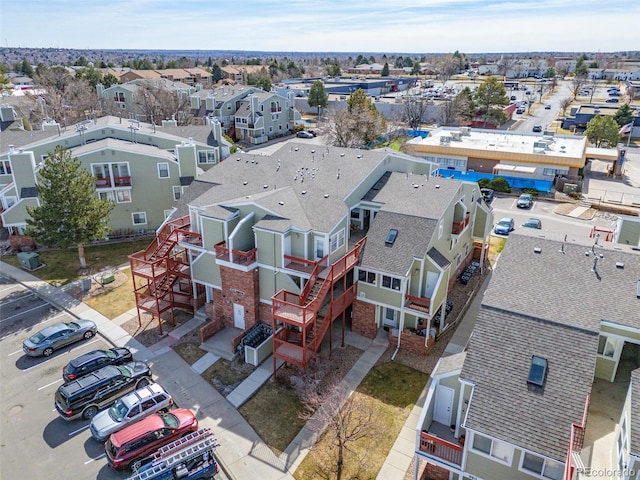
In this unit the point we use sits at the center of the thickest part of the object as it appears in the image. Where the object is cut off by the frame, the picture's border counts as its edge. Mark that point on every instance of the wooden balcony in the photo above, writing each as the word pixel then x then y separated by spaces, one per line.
pixel 442 449
pixel 276 109
pixel 237 257
pixel 458 227
pixel 419 304
pixel 302 264
pixel 117 182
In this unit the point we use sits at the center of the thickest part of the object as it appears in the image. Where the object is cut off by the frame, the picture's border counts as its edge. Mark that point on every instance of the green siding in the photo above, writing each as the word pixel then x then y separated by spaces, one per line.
pixel 605 368
pixel 269 248
pixel 486 468
pixel 205 270
pixel 212 232
pixel 23 166
pixel 17 213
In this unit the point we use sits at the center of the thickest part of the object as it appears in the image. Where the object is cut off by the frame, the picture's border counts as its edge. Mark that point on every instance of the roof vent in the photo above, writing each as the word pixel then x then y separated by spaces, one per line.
pixel 304 192
pixel 280 202
pixel 537 250
pixel 619 265
pixel 437 186
pixel 313 151
pixel 342 154
pixel 326 195
pixel 295 149
pixel 265 186
pixel 245 182
pixel 238 159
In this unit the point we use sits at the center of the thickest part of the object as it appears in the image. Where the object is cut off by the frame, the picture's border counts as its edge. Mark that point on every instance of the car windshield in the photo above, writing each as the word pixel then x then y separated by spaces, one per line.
pixel 170 420
pixel 110 354
pixel 118 411
pixel 73 325
pixel 37 338
pixel 504 223
pixel 125 371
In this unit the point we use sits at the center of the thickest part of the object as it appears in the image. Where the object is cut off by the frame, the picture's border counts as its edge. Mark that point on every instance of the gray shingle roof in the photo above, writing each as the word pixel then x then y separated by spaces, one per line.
pixel 440 260
pixel 498 362
pixel 449 363
pixel 562 287
pixel 303 177
pixel 634 448
pixel 414 235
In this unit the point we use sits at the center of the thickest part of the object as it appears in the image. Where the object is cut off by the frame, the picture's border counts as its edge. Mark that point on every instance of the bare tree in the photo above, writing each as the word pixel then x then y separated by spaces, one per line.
pixel 158 103
pixel 344 420
pixel 576 85
pixel 413 111
pixel 446 66
pixel 565 104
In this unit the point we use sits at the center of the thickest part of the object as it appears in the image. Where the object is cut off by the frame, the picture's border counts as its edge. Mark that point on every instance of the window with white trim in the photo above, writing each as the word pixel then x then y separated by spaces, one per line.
pixel 550 172
pixel 493 448
pixel 207 156
pixel 177 193
pixel 367 277
pixel 5 167
pixel 107 195
pixel 606 346
pixel 440 229
pixel 167 213
pixel 163 170
pixel 391 283
pixel 542 467
pixel 139 218
pixel 336 240
pixel 123 196
pixel 355 213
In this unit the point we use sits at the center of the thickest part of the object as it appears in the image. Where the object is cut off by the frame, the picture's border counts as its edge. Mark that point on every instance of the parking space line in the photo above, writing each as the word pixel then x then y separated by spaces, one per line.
pixel 49 384
pixel 9 288
pixel 63 353
pixel 96 458
pixel 23 312
pixel 14 353
pixel 79 430
pixel 28 294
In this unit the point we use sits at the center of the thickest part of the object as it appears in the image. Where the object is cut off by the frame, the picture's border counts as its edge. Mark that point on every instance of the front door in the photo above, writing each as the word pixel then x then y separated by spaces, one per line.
pixel 444 405
pixel 238 316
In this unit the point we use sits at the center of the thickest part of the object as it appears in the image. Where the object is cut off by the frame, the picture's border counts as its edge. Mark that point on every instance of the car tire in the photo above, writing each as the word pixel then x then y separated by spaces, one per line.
pixel 47 352
pixel 89 412
pixel 88 335
pixel 143 382
pixel 136 464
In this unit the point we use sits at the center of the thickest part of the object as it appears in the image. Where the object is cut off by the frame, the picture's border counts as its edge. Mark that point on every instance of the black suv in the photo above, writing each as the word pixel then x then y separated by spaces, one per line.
pixel 86 395
pixel 93 360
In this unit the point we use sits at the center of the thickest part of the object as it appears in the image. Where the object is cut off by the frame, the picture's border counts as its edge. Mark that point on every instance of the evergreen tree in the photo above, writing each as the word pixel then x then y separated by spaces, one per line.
pixel 385 70
pixel 70 211
pixel 624 115
pixel 489 97
pixel 318 96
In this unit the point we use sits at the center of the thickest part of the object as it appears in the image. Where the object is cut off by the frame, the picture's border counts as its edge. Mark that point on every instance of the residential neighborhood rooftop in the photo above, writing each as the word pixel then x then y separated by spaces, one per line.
pixel 577 282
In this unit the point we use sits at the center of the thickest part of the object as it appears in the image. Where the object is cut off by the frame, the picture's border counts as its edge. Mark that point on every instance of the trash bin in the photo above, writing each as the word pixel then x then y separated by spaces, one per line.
pixel 85 284
pixel 29 260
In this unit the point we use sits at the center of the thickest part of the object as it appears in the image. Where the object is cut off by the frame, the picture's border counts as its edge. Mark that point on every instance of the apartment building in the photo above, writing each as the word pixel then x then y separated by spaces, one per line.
pixel 548 387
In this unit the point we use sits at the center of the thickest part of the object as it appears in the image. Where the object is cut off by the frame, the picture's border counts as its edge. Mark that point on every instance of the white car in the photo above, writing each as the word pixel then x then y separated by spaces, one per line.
pixel 132 407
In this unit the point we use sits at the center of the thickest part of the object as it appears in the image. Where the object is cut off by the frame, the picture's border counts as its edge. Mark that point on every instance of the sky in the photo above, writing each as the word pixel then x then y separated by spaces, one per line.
pixel 362 26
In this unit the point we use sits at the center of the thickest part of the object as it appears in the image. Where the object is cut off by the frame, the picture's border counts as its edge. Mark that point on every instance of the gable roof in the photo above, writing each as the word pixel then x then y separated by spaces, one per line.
pixel 544 284
pixel 503 405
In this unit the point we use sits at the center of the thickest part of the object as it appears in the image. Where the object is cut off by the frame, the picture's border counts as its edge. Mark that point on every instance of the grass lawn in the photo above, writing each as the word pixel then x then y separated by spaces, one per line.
pixel 226 375
pixel 393 390
pixel 63 266
pixel 116 301
pixel 273 413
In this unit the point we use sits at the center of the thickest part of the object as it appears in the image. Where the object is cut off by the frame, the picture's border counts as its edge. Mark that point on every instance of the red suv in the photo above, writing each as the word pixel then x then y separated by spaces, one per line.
pixel 130 446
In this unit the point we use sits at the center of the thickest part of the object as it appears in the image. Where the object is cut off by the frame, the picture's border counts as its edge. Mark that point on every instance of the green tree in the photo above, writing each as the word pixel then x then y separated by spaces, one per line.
pixel 359 124
pixel 602 131
pixel 581 66
pixel 624 115
pixel 26 68
pixel 216 73
pixel 333 68
pixel 549 72
pixel 264 83
pixel 91 75
pixel 318 96
pixel 70 212
pixel 385 70
pixel 109 79
pixel 416 69
pixel 489 98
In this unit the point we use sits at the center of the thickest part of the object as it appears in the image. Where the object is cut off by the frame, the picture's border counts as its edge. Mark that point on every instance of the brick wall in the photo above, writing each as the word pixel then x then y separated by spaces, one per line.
pixel 363 319
pixel 411 342
pixel 21 243
pixel 434 472
pixel 210 328
pixel 241 288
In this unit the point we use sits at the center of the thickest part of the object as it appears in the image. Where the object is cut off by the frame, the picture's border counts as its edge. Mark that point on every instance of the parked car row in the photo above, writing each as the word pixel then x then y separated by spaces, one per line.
pixel 128 411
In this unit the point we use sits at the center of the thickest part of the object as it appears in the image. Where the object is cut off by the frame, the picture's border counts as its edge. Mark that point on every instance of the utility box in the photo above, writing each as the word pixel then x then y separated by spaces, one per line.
pixel 29 260
pixel 107 278
pixel 570 188
pixel 85 284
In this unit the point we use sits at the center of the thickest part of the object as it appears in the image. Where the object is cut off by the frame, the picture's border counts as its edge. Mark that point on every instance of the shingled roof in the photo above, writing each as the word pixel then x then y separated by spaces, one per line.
pixel 504 405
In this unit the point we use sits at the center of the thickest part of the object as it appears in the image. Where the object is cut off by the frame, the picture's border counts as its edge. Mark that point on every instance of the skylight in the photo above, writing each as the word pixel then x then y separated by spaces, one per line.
pixel 391 236
pixel 538 371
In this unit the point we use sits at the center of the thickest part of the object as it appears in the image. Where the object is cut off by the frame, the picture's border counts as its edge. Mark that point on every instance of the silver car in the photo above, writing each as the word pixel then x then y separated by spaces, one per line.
pixel 57 336
pixel 132 407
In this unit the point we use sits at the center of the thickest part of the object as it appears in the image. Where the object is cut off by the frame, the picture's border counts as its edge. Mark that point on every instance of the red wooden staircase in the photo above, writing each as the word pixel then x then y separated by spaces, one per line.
pixel 301 321
pixel 162 272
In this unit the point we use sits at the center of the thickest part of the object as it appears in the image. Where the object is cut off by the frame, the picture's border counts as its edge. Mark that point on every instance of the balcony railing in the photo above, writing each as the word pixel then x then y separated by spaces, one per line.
pixel 419 304
pixel 302 264
pixel 238 257
pixel 117 182
pixel 276 109
pixel 458 227
pixel 439 448
pixel 575 443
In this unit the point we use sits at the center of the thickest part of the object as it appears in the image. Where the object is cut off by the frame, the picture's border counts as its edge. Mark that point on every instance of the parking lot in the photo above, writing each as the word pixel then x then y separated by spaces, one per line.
pixel 35 441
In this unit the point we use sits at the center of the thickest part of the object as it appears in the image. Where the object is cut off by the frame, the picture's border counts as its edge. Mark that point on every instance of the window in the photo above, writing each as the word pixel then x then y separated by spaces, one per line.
pixel 5 167
pixel 119 96
pixel 537 371
pixel 107 195
pixel 543 467
pixel 139 218
pixel 207 156
pixel 167 213
pixel 355 213
pixel 123 196
pixel 390 282
pixel 606 346
pixel 336 241
pixel 493 448
pixel 367 277
pixel 549 172
pixel 440 229
pixel 177 193
pixel 391 237
pixel 163 170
